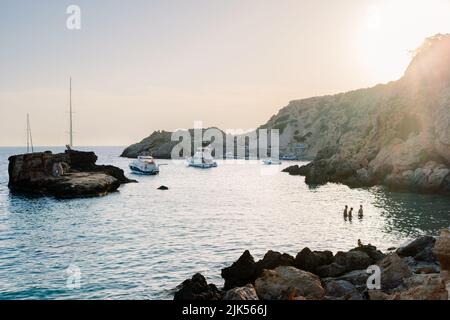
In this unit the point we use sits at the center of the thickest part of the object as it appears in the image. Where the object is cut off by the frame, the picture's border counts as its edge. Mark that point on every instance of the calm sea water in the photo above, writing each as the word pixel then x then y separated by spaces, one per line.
pixel 140 243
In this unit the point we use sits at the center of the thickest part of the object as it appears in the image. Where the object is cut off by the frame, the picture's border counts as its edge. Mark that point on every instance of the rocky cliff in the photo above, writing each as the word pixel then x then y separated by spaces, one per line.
pixel 65 175
pixel 396 134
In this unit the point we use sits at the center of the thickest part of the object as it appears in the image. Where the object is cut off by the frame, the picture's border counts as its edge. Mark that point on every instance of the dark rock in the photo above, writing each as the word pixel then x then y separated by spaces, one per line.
pixel 306 260
pixel 113 172
pixel 272 260
pixel 163 188
pixel 240 273
pixel 426 255
pixel 332 270
pixel 393 271
pixel 241 293
pixel 295 170
pixel 197 289
pixel 340 288
pixel 310 261
pixel 65 175
pixel 353 260
pixel 374 254
pixel 421 247
pixel 245 270
pixel 358 278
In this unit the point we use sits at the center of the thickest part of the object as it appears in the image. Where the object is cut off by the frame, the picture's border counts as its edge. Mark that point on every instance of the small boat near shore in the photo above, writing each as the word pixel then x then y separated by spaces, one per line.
pixel 289 157
pixel 202 159
pixel 144 165
pixel 269 162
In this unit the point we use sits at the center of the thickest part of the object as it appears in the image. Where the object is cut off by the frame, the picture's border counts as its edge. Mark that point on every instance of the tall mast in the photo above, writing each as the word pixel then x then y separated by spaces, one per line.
pixel 29 136
pixel 28 133
pixel 70 111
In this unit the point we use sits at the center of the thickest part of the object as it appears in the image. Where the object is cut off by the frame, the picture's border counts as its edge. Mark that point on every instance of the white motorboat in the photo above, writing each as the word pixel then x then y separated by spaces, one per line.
pixel 145 165
pixel 202 159
pixel 271 162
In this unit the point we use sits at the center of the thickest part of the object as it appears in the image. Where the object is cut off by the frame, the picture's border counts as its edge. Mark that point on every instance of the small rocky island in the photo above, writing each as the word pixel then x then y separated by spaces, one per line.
pixel 71 174
pixel 417 271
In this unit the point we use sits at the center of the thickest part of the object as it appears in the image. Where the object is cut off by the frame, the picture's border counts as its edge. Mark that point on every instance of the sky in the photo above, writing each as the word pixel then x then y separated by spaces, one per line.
pixel 139 66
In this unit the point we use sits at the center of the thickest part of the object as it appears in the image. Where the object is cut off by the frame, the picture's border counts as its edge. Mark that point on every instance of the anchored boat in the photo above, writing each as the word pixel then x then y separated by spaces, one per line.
pixel 202 159
pixel 271 161
pixel 145 165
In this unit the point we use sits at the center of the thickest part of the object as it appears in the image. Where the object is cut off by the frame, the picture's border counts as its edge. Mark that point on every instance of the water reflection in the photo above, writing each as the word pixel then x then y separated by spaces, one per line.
pixel 412 214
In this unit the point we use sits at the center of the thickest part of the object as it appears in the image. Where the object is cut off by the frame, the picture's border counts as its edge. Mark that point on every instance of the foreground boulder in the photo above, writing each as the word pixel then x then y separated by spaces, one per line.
pixel 65 175
pixel 240 273
pixel 442 251
pixel 353 260
pixel 197 289
pixel 271 260
pixel 245 270
pixel 420 249
pixel 374 254
pixel 394 271
pixel 289 283
pixel 342 289
pixel 241 293
pixel 311 261
pixel 423 287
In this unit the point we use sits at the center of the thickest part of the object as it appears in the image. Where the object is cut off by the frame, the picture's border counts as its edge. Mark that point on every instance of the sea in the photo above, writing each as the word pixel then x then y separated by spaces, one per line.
pixel 141 242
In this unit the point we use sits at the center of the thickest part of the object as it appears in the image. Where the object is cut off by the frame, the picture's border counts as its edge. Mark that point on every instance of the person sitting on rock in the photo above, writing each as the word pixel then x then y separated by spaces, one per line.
pixel 360 211
pixel 345 212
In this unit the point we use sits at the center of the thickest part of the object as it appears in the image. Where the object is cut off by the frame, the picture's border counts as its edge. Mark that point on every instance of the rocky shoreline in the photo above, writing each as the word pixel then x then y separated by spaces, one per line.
pixel 417 271
pixel 71 174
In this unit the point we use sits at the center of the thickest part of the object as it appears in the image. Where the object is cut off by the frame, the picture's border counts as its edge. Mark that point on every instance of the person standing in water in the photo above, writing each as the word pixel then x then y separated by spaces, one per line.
pixel 345 212
pixel 360 212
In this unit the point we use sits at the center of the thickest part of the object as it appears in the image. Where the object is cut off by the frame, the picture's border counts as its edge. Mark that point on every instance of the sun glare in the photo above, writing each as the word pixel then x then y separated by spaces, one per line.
pixel 394 28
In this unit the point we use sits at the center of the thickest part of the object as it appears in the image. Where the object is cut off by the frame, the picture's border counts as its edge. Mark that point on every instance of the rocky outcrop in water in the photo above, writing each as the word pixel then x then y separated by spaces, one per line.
pixel 159 144
pixel 409 273
pixel 397 134
pixel 65 175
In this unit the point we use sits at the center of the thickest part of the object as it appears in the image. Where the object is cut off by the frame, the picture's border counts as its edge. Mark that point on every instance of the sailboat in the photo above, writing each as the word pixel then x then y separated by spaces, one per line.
pixel 29 136
pixel 202 159
pixel 70 145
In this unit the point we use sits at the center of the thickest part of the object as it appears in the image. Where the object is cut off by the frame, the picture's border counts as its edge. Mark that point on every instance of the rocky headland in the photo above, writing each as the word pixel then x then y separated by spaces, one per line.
pixel 71 174
pixel 417 271
pixel 396 135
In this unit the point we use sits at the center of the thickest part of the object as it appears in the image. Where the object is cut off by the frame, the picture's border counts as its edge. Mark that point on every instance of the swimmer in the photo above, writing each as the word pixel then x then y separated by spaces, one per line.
pixel 360 211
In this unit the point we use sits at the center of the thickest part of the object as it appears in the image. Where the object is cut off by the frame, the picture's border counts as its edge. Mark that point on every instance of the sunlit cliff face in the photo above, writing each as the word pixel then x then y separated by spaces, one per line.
pixel 431 64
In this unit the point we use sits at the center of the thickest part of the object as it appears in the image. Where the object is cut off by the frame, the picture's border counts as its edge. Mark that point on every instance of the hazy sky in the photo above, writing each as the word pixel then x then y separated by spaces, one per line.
pixel 138 66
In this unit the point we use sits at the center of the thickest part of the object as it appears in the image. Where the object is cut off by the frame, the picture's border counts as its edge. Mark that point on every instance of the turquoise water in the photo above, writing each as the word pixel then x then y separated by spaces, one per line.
pixel 139 243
